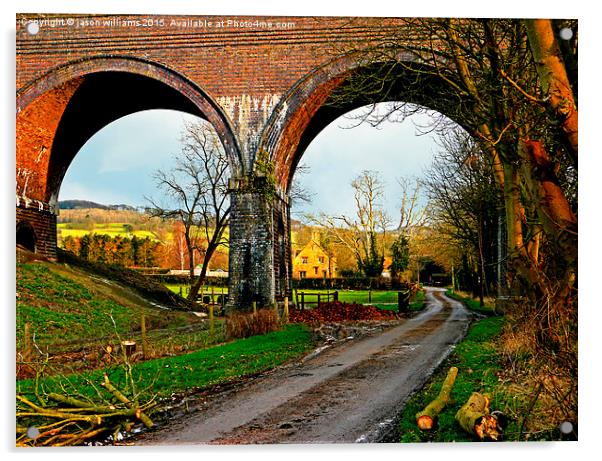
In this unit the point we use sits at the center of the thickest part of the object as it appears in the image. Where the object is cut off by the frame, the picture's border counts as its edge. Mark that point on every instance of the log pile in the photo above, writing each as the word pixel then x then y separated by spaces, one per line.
pixel 66 421
pixel 426 418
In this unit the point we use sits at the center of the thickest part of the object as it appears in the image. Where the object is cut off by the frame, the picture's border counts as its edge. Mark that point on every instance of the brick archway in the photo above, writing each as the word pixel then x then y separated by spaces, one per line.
pixel 267 89
pixel 59 112
pixel 26 235
pixel 304 111
pixel 100 89
pixel 307 109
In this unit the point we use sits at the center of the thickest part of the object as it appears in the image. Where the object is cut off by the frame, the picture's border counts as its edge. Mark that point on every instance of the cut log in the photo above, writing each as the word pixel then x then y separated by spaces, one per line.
pixel 474 418
pixel 426 418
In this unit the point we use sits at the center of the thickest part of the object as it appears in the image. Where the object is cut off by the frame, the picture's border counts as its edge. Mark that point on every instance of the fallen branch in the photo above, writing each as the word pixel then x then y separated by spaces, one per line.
pixel 122 398
pixel 427 417
pixel 67 420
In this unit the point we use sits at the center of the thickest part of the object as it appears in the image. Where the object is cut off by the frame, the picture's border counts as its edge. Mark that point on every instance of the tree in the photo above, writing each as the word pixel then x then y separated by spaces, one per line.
pixel 411 214
pixel 512 88
pixel 364 235
pixel 198 189
pixel 465 202
pixel 400 255
pixel 298 193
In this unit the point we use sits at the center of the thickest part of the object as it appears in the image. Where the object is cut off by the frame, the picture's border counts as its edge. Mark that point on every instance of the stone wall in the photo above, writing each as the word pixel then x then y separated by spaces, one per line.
pixel 251 247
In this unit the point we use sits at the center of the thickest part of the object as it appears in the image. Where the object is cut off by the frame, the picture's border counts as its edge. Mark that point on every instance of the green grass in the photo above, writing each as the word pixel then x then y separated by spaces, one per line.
pixel 478 362
pixel 64 306
pixel 195 370
pixel 472 304
pixel 175 288
pixel 418 303
pixel 59 309
pixel 359 296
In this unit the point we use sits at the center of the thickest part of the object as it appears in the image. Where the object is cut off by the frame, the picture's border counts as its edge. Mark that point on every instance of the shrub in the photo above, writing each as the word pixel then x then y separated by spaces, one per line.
pixel 245 325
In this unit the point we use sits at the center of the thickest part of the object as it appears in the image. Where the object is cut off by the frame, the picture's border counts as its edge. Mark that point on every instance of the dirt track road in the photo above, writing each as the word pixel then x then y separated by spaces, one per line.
pixel 349 393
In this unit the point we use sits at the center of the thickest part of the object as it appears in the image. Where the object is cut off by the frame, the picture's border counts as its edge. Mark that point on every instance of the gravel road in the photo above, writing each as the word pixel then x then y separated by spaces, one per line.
pixel 350 392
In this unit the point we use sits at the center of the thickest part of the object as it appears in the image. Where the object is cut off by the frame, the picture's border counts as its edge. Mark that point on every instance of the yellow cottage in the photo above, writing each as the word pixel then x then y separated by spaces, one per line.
pixel 313 262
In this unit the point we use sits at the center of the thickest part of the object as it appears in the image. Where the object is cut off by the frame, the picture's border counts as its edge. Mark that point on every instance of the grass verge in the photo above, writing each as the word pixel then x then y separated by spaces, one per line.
pixel 471 303
pixel 479 364
pixel 193 371
pixel 62 305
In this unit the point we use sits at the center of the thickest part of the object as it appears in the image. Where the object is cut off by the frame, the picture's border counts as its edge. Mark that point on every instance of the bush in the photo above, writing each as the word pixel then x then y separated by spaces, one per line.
pixel 246 325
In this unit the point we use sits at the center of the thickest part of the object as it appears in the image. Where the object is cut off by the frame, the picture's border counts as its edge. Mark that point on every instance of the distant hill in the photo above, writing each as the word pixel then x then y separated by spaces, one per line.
pixel 78 204
pixel 86 204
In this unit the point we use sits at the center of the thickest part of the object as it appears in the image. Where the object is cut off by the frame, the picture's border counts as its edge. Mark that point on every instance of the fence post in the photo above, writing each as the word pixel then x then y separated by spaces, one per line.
pixel 336 296
pixel 302 300
pixel 318 299
pixel 370 295
pixel 285 313
pixel 144 338
pixel 254 307
pixel 211 321
pixel 276 310
pixel 402 301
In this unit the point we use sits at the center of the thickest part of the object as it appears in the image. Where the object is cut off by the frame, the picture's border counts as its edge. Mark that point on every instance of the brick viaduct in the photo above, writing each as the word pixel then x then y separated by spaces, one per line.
pixel 263 83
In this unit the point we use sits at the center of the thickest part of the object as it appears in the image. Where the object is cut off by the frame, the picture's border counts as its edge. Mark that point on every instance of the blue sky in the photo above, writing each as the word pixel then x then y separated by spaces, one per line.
pixel 117 163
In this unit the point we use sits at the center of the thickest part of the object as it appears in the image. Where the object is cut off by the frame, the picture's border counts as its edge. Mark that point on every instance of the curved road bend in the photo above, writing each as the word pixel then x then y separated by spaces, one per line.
pixel 350 393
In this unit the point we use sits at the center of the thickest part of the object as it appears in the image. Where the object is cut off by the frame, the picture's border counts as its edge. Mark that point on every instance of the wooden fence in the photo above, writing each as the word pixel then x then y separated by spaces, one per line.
pixel 303 299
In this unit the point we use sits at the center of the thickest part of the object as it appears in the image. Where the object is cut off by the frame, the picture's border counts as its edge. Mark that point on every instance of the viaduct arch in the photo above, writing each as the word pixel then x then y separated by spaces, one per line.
pixel 264 83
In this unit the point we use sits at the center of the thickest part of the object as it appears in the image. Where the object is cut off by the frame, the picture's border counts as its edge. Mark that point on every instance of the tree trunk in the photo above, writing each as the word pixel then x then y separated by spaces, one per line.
pixel 426 418
pixel 554 80
pixel 475 419
pixel 551 197
pixel 211 247
pixel 190 251
pixel 513 214
pixel 196 286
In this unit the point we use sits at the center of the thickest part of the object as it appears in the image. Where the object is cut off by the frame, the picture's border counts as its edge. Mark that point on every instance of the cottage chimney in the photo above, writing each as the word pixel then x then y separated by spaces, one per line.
pixel 315 236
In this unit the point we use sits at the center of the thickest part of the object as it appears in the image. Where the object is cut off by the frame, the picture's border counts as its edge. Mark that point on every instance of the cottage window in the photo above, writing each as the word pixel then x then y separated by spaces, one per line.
pixel 321 259
pixel 302 274
pixel 304 260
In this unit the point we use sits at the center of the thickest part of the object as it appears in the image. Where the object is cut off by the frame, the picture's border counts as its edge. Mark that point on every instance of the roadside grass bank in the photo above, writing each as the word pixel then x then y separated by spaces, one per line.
pixel 63 306
pixel 160 378
pixel 480 365
pixel 491 360
pixel 471 303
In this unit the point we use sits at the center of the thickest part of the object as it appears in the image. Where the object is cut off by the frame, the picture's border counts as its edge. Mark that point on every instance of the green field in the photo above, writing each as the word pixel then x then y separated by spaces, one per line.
pixel 358 296
pixel 386 300
pixel 110 229
pixel 72 316
pixel 382 299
